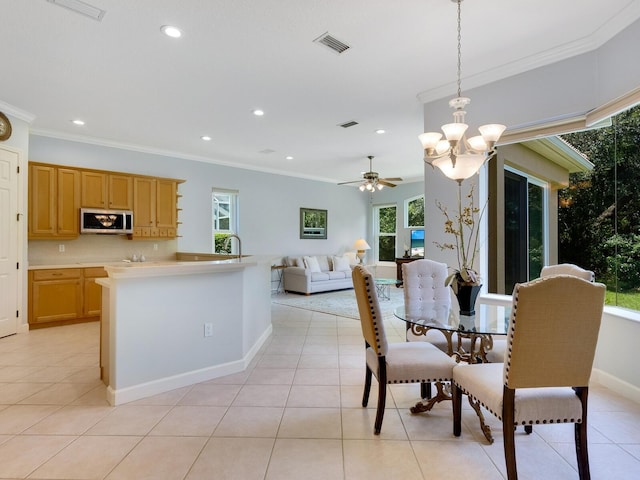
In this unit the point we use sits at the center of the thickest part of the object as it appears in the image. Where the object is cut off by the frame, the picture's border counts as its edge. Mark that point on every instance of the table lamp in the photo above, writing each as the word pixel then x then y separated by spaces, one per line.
pixel 361 245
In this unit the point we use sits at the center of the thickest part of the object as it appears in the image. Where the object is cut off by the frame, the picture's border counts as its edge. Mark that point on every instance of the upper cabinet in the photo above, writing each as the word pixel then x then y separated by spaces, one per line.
pixel 107 190
pixel 154 207
pixel 54 201
pixel 57 193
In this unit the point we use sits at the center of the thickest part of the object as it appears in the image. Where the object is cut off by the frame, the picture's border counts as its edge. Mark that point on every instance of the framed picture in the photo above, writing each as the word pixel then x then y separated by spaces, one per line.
pixel 313 223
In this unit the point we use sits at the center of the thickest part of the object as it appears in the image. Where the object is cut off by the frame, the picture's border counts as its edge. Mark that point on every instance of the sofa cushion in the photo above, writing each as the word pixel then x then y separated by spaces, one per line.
pixel 295 262
pixel 319 276
pixel 338 275
pixel 323 262
pixel 312 264
pixel 341 264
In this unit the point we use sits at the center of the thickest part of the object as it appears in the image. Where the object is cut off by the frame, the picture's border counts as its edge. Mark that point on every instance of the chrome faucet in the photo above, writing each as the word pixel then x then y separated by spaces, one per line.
pixel 228 239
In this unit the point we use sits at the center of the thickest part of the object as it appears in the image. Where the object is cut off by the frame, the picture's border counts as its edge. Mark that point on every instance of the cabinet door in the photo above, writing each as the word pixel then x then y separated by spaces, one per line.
pixel 166 205
pixel 120 192
pixel 93 291
pixel 55 295
pixel 94 190
pixel 68 211
pixel 144 205
pixel 43 201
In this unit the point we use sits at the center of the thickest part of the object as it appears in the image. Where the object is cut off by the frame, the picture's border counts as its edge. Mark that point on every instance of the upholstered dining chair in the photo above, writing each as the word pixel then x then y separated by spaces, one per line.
pixel 553 331
pixel 425 293
pixel 497 353
pixel 406 362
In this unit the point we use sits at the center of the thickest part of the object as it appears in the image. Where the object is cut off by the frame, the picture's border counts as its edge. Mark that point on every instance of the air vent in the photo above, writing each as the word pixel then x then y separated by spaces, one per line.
pixel 333 43
pixel 81 8
pixel 266 151
pixel 348 124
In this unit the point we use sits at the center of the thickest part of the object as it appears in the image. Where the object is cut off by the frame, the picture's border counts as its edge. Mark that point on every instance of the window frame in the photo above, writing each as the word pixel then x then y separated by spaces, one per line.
pixel 377 234
pixel 234 220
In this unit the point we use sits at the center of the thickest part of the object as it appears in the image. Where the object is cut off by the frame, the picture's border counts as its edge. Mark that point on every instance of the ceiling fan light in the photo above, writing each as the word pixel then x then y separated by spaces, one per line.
pixel 379 186
pixel 362 187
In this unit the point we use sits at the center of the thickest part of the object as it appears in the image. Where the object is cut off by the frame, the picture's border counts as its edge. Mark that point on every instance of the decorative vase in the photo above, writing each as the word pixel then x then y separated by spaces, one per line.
pixel 466 295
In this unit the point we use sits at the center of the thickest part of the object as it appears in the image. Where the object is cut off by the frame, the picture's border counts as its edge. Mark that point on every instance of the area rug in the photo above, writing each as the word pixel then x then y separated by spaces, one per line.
pixel 341 302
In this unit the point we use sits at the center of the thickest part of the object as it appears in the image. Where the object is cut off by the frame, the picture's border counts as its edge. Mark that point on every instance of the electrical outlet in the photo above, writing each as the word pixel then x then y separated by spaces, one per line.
pixel 155 247
pixel 61 248
pixel 208 329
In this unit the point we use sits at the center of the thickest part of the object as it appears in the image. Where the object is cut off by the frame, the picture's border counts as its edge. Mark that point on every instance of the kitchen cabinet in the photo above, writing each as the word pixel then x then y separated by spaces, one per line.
pixel 64 295
pixel 106 190
pixel 154 207
pixel 54 202
pixel 92 292
pixel 55 296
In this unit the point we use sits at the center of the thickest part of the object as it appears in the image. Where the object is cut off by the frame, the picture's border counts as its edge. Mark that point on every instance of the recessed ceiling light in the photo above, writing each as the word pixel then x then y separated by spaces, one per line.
pixel 170 31
pixel 380 131
pixel 288 157
pixel 206 138
pixel 258 113
pixel 78 122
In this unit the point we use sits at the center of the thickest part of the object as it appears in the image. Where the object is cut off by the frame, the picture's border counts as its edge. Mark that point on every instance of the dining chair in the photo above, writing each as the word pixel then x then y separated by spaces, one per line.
pixel 551 342
pixel 427 294
pixel 497 352
pixel 405 362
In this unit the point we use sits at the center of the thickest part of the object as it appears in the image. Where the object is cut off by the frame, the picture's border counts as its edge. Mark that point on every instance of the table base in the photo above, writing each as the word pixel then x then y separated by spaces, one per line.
pixel 484 343
pixel 427 404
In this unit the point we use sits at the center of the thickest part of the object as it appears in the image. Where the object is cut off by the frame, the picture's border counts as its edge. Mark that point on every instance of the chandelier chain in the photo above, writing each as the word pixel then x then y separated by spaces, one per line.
pixel 459 52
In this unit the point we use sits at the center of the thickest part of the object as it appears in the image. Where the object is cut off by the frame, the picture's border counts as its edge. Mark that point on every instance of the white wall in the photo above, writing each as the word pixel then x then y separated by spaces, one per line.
pixel 269 204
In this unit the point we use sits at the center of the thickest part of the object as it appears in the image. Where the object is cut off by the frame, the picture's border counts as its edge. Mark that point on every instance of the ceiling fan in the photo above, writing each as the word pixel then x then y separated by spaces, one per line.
pixel 371 181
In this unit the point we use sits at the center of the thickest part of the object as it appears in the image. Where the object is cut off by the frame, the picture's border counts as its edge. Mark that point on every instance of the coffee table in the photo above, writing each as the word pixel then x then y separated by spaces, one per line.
pixel 383 287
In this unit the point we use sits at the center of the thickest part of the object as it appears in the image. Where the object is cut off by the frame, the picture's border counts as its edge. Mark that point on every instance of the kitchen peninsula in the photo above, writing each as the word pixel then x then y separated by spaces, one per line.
pixel 166 325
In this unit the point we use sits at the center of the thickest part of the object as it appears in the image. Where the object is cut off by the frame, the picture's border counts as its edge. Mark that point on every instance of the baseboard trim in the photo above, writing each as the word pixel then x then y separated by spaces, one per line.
pixel 625 389
pixel 142 390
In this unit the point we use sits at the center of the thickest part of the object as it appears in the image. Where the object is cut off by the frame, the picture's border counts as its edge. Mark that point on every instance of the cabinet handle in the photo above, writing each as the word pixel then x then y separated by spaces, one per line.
pixel 56 274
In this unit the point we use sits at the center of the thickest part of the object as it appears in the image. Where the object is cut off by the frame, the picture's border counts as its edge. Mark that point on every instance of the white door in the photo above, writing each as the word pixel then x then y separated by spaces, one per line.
pixel 8 242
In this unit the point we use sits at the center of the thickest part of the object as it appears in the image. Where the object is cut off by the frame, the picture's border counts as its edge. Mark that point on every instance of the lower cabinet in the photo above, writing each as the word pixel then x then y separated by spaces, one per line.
pixel 64 295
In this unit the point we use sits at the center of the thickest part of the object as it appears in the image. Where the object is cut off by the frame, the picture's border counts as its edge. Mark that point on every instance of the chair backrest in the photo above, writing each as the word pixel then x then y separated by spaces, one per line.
pixel 425 291
pixel 369 309
pixel 568 269
pixel 553 331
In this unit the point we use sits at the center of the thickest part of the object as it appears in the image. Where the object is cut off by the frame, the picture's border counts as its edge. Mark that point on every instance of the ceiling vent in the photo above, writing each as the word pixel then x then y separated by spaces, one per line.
pixel 348 124
pixel 331 42
pixel 266 151
pixel 81 8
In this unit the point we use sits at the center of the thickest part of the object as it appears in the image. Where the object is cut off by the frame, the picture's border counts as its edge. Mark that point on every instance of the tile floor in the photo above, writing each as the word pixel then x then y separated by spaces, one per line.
pixel 294 414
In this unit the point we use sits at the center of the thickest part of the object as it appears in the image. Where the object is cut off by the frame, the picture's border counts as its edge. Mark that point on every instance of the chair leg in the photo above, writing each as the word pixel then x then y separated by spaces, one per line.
pixel 456 400
pixel 367 386
pixel 508 420
pixel 382 394
pixel 425 390
pixel 582 453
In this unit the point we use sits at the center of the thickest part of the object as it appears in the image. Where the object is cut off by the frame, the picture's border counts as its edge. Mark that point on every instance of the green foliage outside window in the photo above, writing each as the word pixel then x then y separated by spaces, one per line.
pixel 599 214
pixel 386 234
pixel 415 212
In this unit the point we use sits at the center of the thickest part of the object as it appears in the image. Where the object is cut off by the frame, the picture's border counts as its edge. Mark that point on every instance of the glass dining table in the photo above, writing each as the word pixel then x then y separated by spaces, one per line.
pixel 469 337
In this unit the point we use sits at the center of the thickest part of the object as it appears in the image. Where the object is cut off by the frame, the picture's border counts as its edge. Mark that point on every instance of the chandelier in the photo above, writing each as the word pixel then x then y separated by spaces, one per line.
pixel 456 156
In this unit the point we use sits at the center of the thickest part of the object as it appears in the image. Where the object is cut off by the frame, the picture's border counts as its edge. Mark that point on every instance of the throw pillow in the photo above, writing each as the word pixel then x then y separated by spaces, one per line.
pixel 312 264
pixel 323 262
pixel 341 264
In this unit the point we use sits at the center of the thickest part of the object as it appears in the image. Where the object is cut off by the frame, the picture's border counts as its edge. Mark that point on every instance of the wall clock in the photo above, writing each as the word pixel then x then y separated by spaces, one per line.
pixel 5 127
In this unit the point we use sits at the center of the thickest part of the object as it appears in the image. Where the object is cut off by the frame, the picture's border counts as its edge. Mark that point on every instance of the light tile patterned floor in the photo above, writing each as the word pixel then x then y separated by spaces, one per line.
pixel 295 413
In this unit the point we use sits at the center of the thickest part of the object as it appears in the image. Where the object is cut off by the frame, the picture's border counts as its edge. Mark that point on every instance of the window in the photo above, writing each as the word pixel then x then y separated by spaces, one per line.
pixel 599 213
pixel 414 212
pixel 525 227
pixel 385 232
pixel 225 218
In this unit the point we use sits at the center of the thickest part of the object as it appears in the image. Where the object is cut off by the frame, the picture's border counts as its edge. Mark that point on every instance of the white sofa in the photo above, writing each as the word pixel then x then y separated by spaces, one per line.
pixel 325 273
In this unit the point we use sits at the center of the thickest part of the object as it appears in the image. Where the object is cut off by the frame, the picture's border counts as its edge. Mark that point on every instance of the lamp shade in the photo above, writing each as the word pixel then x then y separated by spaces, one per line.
pixel 361 244
pixel 466 166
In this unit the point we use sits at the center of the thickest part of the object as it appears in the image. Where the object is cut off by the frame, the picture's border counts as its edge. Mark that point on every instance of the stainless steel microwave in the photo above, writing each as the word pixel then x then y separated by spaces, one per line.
pixel 114 222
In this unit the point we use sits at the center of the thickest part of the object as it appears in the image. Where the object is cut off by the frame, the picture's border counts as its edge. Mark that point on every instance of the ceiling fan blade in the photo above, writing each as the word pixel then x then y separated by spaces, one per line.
pixel 352 181
pixel 385 183
pixel 392 179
